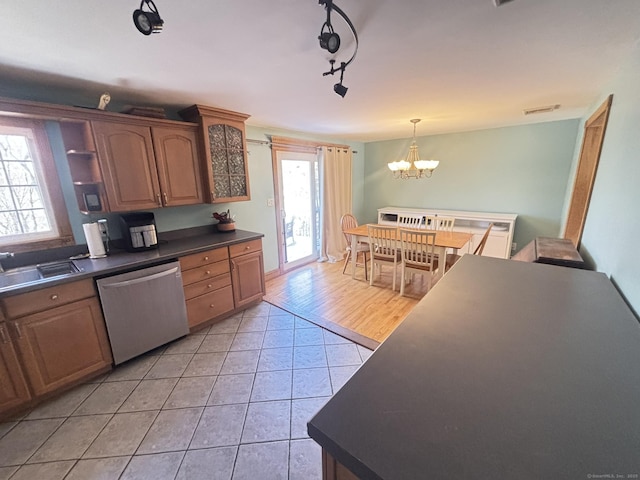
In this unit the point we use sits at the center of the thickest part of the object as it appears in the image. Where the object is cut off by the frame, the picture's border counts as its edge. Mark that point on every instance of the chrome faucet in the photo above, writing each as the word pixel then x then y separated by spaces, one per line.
pixel 4 255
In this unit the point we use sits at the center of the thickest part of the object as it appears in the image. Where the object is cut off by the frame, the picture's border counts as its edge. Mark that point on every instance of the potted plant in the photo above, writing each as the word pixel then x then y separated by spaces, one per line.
pixel 226 222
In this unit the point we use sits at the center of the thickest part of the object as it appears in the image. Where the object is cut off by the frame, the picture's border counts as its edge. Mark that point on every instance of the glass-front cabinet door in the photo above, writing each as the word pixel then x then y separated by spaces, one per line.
pixel 228 161
pixel 225 146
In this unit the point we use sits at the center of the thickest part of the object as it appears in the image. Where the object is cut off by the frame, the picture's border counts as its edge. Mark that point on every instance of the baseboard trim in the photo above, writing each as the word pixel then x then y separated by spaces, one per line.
pixel 272 274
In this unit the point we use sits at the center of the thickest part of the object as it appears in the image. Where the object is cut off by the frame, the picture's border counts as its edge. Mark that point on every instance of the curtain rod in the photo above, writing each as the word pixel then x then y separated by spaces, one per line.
pixel 267 143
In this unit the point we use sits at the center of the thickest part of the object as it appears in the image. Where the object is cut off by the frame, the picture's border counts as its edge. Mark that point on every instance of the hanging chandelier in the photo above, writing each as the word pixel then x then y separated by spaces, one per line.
pixel 413 167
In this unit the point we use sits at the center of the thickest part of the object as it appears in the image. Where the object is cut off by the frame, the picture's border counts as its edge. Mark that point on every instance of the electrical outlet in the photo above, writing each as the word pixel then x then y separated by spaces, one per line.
pixel 514 245
pixel 270 202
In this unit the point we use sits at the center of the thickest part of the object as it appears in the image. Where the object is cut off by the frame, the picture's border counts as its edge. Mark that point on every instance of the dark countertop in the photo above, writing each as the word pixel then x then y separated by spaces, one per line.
pixel 170 247
pixel 504 370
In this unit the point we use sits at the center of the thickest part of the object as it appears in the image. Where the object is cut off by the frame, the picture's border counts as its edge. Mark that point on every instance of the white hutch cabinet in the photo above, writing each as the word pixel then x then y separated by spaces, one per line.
pixel 499 241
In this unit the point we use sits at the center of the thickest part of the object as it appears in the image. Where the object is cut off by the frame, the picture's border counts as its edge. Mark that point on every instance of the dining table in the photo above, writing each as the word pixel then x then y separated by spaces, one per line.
pixel 444 240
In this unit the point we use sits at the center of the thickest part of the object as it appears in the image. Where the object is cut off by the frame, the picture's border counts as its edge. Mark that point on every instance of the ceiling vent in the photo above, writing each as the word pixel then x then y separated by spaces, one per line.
pixel 547 109
pixel 497 3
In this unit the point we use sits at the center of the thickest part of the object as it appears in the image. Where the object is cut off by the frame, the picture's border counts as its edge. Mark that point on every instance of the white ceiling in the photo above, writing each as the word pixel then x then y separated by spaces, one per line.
pixel 457 64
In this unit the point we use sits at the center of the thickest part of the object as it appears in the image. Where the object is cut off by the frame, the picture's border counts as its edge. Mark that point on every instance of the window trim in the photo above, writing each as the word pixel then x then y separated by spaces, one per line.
pixel 53 187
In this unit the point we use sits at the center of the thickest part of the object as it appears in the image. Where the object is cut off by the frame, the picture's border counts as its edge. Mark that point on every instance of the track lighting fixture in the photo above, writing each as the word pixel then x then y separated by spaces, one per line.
pixel 147 21
pixel 338 87
pixel 330 41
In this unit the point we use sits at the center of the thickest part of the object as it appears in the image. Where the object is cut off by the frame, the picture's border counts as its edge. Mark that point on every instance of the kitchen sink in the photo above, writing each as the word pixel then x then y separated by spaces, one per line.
pixel 54 269
pixel 18 276
pixel 35 273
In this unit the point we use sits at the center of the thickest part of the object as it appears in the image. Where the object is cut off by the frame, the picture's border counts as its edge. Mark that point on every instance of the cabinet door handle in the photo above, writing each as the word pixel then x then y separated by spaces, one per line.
pixel 247 247
pixel 209 286
pixel 212 306
pixel 208 272
pixel 158 197
pixel 166 200
pixel 3 335
pixel 212 195
pixel 54 297
pixel 206 258
pixel 16 326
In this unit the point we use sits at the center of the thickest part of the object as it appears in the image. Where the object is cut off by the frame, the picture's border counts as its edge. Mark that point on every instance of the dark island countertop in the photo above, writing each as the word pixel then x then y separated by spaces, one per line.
pixel 172 245
pixel 505 370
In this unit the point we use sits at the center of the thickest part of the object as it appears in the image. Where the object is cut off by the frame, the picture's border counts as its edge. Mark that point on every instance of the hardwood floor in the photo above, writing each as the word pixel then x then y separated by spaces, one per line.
pixel 319 292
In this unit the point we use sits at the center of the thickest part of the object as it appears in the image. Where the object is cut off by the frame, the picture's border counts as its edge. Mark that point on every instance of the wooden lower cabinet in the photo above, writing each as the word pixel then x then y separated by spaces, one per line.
pixel 207 285
pixel 247 275
pixel 334 470
pixel 220 281
pixel 13 387
pixel 53 338
pixel 210 305
pixel 247 272
pixel 62 345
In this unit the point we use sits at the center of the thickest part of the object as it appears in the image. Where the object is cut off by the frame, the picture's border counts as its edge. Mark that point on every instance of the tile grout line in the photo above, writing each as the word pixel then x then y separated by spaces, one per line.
pixel 69 416
pixel 290 399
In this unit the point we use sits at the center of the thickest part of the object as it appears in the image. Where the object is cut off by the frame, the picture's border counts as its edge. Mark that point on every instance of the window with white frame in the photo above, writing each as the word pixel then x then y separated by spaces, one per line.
pixel 27 208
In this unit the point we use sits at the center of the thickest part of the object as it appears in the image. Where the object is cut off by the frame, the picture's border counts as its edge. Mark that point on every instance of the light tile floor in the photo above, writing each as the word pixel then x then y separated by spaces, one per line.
pixel 229 402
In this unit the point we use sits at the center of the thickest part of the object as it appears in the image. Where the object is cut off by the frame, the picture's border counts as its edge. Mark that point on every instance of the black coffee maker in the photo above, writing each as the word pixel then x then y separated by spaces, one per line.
pixel 139 231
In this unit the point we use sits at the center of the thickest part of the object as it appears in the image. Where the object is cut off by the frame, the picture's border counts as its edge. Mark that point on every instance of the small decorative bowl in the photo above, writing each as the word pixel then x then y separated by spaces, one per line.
pixel 226 227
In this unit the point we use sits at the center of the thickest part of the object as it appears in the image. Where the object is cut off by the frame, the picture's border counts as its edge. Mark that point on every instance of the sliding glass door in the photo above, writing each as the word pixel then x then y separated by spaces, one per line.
pixel 299 202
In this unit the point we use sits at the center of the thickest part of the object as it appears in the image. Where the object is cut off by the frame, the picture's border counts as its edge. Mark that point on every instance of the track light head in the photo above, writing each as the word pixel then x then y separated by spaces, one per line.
pixel 330 41
pixel 147 21
pixel 340 89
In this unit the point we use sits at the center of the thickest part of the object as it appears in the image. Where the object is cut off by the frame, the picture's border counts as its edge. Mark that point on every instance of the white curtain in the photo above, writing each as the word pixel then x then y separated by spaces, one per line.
pixel 335 200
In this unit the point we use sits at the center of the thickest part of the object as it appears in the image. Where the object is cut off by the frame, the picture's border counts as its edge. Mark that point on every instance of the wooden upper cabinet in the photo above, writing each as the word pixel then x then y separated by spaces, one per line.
pixel 146 167
pixel 225 150
pixel 128 166
pixel 178 162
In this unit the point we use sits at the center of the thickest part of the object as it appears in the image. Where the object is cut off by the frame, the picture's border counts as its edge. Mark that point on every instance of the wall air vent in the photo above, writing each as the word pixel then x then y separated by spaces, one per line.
pixel 497 3
pixel 547 109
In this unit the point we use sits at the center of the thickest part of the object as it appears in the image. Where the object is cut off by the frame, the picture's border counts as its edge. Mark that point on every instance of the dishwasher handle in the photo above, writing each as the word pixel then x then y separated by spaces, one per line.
pixel 145 278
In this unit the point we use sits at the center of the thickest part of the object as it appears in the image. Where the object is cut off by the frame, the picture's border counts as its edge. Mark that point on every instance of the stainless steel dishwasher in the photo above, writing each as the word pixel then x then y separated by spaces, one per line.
pixel 143 309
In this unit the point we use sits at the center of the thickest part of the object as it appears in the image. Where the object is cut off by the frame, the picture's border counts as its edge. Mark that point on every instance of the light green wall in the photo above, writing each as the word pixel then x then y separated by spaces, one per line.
pixel 612 227
pixel 522 169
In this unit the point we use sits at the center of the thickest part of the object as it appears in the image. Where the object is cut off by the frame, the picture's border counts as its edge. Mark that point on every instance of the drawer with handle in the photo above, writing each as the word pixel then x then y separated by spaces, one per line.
pixel 46 298
pixel 208 306
pixel 203 258
pixel 207 286
pixel 205 272
pixel 245 247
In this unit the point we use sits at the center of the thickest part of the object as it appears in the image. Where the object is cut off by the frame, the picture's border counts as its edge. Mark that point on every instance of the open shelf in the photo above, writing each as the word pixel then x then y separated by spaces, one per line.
pixel 86 175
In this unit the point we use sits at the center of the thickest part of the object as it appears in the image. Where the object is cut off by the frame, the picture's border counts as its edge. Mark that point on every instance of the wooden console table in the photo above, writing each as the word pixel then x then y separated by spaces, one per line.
pixel 552 251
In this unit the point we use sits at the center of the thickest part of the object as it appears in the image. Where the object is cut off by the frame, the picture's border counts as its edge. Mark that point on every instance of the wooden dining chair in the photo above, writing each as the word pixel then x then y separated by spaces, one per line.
pixel 383 248
pixel 444 223
pixel 417 256
pixel 409 220
pixel 349 221
pixel 453 258
pixel 430 222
